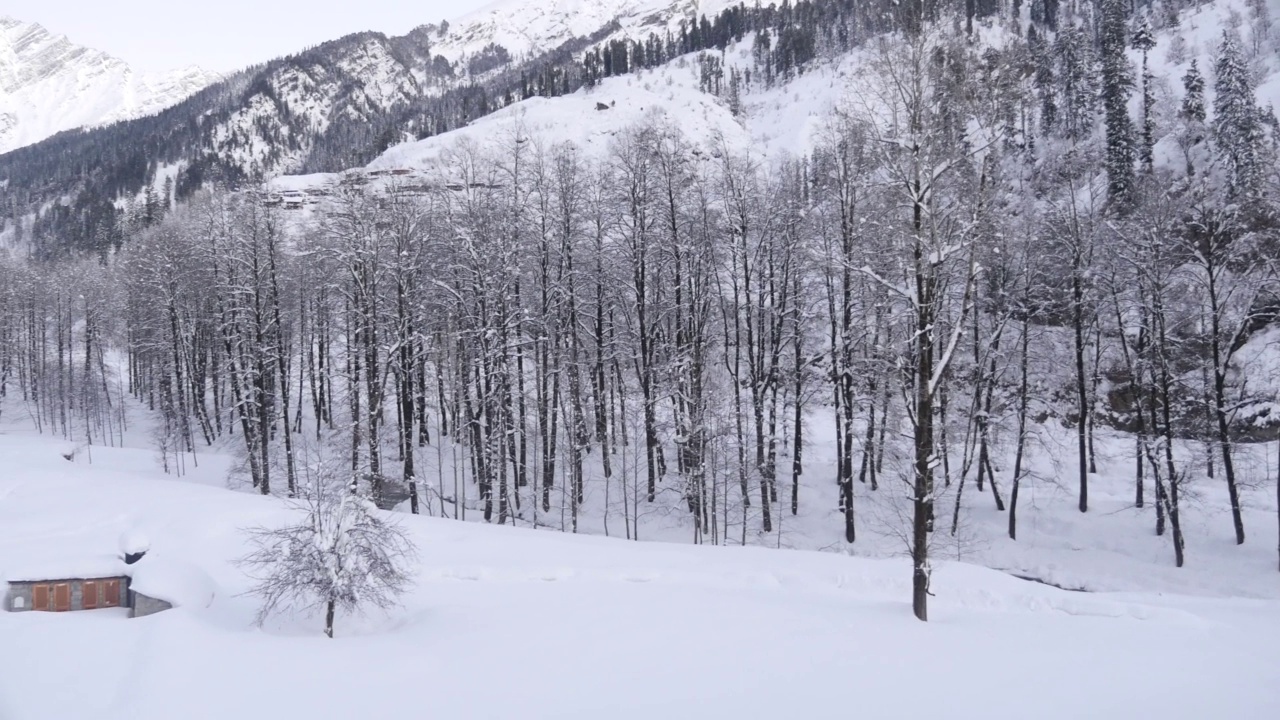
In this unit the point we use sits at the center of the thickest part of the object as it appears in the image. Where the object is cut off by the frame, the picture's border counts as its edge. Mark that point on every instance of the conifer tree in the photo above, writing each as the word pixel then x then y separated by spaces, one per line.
pixel 1193 100
pixel 1117 82
pixel 1074 54
pixel 1237 125
pixel 1043 79
pixel 1144 40
pixel 1191 115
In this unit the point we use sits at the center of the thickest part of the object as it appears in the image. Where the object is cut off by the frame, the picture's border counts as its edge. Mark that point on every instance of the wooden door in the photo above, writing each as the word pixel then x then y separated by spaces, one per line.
pixel 40 598
pixel 110 593
pixel 88 595
pixel 62 597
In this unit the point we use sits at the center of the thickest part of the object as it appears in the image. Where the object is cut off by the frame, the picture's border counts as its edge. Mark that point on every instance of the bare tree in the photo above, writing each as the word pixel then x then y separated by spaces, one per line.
pixel 924 152
pixel 340 555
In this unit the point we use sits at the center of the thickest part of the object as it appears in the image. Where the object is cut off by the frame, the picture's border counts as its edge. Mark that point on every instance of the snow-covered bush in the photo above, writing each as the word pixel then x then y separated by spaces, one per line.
pixel 340 555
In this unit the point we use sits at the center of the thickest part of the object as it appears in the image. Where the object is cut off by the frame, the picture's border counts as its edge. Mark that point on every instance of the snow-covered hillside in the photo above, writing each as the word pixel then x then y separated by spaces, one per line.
pixel 507 622
pixel 48 84
pixel 527 26
pixel 591 120
pixel 777 120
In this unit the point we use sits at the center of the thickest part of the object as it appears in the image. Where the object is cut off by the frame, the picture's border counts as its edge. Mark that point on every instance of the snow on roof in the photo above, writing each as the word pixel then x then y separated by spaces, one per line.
pixel 64 567
pixel 294 183
pixel 162 578
pixel 177 582
pixel 133 542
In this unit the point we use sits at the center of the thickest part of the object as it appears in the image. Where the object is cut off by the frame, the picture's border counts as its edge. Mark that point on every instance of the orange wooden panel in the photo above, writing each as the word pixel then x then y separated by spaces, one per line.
pixel 62 597
pixel 110 593
pixel 89 595
pixel 40 597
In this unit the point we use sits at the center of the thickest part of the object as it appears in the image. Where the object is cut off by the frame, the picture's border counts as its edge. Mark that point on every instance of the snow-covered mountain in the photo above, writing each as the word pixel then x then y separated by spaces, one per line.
pixel 49 84
pixel 327 108
pixel 524 27
pixel 761 77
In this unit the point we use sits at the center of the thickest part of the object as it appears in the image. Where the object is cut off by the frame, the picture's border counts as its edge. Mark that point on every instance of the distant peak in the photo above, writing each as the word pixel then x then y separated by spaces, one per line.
pixel 49 84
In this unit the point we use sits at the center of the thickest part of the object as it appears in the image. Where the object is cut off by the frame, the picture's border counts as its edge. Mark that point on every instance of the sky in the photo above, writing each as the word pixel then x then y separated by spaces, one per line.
pixel 223 35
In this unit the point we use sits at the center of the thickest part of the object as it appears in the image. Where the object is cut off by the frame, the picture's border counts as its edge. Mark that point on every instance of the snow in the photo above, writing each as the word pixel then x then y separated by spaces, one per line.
pixel 526 26
pixel 133 542
pixel 52 566
pixel 778 122
pixel 298 183
pixel 672 95
pixel 180 583
pixel 580 626
pixel 48 85
pixel 1259 363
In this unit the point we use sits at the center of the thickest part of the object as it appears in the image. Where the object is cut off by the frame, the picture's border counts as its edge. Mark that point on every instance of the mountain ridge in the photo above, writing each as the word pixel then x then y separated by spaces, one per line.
pixel 48 84
pixel 332 106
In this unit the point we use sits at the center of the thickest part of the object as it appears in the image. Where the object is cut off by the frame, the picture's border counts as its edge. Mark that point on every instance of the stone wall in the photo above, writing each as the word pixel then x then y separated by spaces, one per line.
pixel 18 598
pixel 144 605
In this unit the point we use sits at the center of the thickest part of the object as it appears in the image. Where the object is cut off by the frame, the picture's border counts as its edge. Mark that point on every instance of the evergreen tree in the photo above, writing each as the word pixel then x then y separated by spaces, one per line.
pixel 735 92
pixel 1192 114
pixel 1074 54
pixel 152 209
pixel 1043 81
pixel 1193 100
pixel 1144 40
pixel 1237 125
pixel 1116 85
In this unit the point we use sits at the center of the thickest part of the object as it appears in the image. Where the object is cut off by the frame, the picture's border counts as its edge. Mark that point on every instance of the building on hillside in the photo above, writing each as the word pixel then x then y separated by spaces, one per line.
pixel 67 585
pixel 142 584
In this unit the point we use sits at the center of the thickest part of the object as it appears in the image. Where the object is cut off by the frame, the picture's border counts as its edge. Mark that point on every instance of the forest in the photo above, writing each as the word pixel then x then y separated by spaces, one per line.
pixel 983 239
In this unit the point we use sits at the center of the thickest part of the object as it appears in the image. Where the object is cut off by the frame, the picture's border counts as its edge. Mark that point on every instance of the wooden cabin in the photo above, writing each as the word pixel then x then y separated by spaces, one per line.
pixel 94 583
pixel 65 586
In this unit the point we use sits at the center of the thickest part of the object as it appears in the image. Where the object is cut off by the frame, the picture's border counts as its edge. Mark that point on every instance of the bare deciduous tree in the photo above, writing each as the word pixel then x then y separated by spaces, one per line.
pixel 340 555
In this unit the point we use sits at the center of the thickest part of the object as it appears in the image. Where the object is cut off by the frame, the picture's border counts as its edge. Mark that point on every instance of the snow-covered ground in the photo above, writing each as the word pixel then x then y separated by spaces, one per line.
pixel 776 122
pixel 507 622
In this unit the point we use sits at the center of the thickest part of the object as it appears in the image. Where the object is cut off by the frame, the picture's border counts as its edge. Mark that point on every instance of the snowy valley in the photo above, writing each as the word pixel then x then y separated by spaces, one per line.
pixel 653 358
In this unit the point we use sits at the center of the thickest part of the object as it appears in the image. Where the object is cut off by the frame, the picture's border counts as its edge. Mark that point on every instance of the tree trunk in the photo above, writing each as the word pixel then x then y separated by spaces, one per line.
pixel 1082 393
pixel 1023 398
pixel 1220 402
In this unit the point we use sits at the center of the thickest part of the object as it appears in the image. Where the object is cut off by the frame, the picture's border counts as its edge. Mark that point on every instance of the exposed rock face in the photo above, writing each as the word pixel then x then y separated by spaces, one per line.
pixel 49 84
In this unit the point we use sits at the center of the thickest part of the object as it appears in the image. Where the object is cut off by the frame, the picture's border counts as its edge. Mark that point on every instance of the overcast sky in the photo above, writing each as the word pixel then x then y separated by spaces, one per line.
pixel 223 35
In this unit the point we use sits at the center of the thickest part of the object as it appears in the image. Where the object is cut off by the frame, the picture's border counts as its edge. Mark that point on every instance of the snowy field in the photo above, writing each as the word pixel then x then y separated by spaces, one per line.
pixel 510 622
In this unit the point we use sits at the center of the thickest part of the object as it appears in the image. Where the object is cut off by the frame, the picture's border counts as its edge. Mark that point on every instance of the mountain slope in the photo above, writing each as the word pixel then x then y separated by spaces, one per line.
pixel 48 85
pixel 525 27
pixel 340 104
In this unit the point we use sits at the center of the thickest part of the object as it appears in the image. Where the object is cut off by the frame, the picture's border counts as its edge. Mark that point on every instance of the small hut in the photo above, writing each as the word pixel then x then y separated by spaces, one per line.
pixel 133 579
pixel 67 584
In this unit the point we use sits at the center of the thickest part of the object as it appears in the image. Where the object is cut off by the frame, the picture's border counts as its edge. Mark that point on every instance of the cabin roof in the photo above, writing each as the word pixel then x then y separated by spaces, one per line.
pixel 65 567
pixel 176 582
